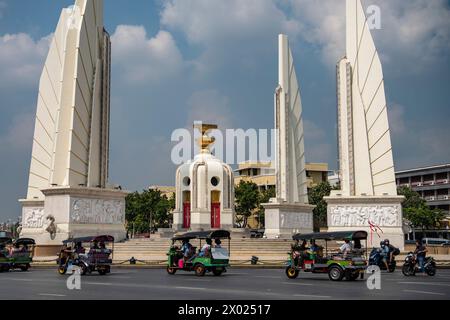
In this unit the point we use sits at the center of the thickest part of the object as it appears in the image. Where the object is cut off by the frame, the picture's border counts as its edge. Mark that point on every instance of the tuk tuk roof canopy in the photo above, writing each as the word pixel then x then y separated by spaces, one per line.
pixel 5 240
pixel 338 235
pixel 104 238
pixel 25 241
pixel 222 234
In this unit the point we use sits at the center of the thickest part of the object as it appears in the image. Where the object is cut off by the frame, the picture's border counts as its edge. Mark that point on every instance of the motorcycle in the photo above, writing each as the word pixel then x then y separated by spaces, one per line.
pixel 410 266
pixel 375 259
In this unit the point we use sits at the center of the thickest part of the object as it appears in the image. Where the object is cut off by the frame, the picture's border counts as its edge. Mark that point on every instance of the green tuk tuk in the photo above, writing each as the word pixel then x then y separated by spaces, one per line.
pixel 5 261
pixel 18 256
pixel 185 257
pixel 350 264
pixel 22 254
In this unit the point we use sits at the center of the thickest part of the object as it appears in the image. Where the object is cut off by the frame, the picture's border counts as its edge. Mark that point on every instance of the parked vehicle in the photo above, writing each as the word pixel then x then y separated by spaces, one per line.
pixel 256 233
pixel 410 266
pixel 337 265
pixel 98 257
pixel 435 241
pixel 216 260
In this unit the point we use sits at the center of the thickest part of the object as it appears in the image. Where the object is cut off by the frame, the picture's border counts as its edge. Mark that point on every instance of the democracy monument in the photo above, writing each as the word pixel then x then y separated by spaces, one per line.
pixel 68 190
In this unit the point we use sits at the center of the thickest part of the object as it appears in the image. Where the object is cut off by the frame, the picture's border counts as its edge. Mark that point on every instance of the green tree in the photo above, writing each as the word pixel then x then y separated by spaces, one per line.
pixel 424 217
pixel 412 198
pixel 148 210
pixel 417 212
pixel 247 200
pixel 316 195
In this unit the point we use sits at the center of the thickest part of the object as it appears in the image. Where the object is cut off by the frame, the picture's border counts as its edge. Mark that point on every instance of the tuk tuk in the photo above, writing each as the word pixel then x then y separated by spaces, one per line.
pixel 22 253
pixel 184 256
pixel 5 261
pixel 97 256
pixel 16 254
pixel 350 264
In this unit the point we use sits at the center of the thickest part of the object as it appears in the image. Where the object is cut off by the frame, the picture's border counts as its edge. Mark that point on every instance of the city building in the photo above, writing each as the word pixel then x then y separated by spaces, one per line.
pixel 263 174
pixel 432 183
pixel 167 191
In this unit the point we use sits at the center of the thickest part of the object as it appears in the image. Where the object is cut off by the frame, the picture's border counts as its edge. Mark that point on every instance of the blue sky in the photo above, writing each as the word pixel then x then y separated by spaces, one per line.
pixel 176 61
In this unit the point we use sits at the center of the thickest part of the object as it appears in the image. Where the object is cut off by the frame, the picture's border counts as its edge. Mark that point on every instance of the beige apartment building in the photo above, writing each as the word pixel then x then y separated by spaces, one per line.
pixel 263 174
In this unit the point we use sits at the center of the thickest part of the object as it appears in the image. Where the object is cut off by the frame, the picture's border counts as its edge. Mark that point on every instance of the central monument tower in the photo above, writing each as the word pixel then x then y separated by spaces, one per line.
pixel 204 190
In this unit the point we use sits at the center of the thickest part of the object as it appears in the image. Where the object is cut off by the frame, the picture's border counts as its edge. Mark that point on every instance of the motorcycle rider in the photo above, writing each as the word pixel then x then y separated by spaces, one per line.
pixel 420 252
pixel 391 249
pixel 385 255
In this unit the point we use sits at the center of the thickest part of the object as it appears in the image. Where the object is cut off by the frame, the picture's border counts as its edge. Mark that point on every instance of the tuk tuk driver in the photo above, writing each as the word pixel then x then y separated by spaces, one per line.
pixel 79 248
pixel 313 249
pixel 186 248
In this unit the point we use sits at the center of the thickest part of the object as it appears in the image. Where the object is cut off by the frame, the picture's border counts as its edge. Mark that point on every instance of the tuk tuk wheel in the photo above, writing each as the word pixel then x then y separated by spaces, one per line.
pixel 217 271
pixel 335 273
pixel 352 276
pixel 25 267
pixel 4 268
pixel 291 273
pixel 171 271
pixel 83 269
pixel 102 271
pixel 62 270
pixel 200 270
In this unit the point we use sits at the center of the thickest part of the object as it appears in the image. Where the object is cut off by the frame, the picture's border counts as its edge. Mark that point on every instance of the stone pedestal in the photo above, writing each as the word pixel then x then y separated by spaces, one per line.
pixel 74 212
pixel 200 220
pixel 177 224
pixel 380 216
pixel 282 219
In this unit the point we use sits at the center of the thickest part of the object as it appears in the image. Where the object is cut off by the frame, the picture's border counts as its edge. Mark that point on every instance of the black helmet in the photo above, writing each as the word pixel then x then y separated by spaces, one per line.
pixel 381 243
pixel 386 241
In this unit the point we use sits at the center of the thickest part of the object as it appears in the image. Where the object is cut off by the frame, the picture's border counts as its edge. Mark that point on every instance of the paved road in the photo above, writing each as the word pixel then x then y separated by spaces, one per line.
pixel 258 284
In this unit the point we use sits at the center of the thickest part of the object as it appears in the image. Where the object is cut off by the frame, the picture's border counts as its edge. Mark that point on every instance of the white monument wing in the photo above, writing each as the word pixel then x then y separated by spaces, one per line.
pixel 67 138
pixel 291 174
pixel 373 161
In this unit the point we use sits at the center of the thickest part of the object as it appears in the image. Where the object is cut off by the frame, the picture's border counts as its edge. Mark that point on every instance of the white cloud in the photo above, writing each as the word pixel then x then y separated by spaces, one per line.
pixel 140 59
pixel 412 31
pixel 21 59
pixel 231 32
pixel 210 106
pixel 212 21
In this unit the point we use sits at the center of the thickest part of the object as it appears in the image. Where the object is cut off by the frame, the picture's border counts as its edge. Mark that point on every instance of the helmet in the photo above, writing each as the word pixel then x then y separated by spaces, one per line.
pixel 386 241
pixel 382 243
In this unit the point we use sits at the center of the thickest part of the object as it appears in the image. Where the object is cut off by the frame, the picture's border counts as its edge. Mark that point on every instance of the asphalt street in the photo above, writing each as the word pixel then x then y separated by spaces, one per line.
pixel 236 284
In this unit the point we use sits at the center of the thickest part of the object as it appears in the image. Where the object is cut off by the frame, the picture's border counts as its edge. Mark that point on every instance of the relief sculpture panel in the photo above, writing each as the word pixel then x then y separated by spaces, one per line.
pixel 362 216
pixel 96 211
